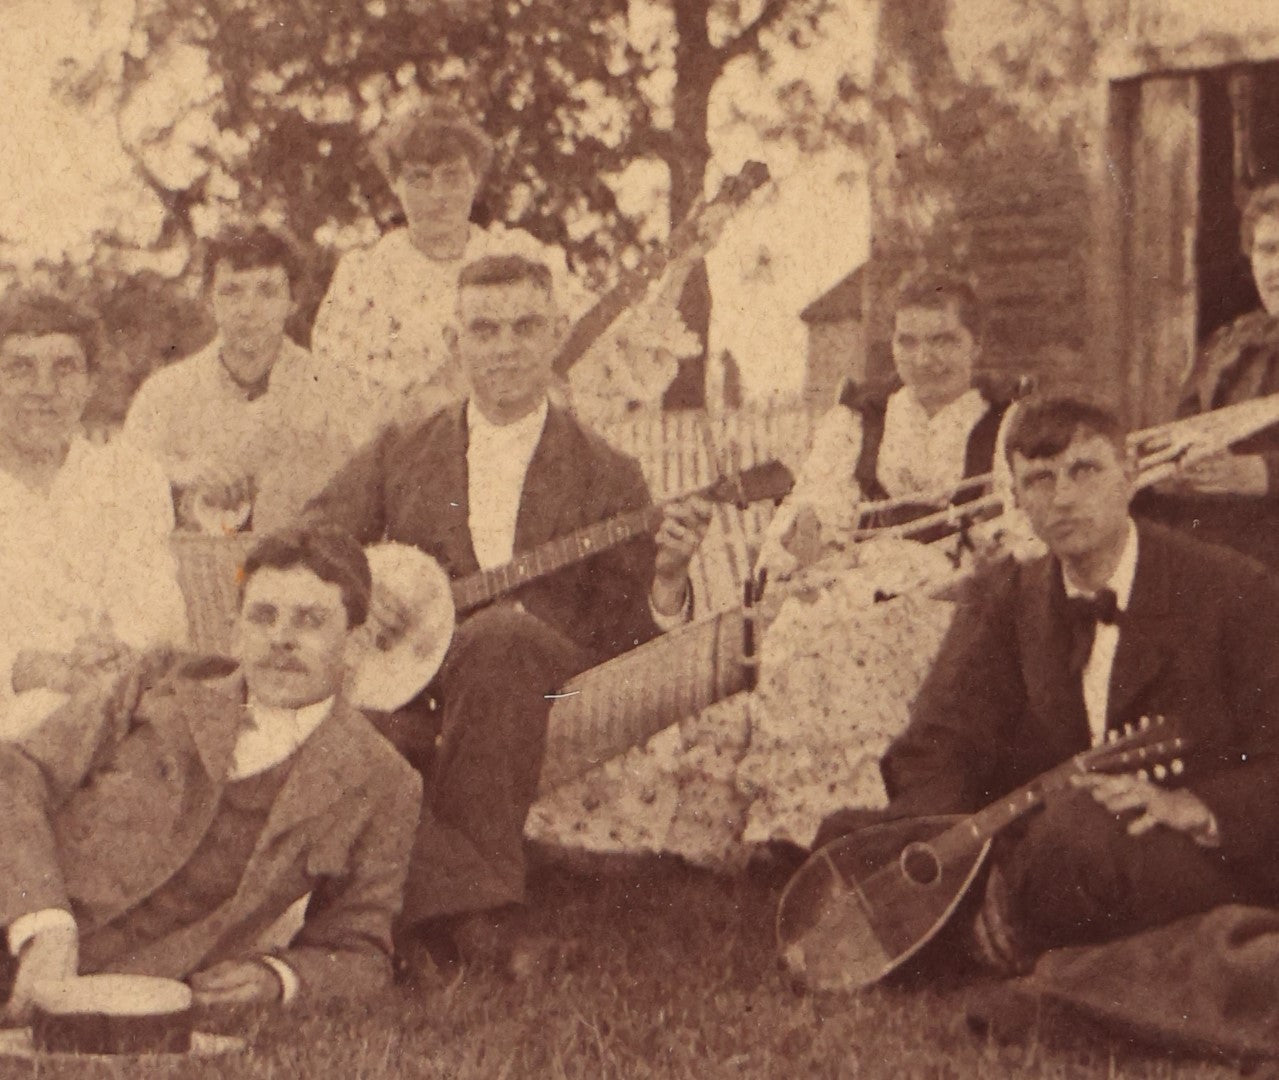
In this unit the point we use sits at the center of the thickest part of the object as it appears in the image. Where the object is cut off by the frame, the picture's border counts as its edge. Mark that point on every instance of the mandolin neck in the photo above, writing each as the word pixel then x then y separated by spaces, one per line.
pixel 478 589
pixel 983 826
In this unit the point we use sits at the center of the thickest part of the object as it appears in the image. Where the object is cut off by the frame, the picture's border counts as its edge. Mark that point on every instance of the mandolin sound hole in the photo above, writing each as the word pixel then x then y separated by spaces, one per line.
pixel 919 864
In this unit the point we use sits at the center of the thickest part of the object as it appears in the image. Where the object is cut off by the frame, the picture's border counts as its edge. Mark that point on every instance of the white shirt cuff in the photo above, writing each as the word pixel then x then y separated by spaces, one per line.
pixel 290 984
pixel 670 622
pixel 25 927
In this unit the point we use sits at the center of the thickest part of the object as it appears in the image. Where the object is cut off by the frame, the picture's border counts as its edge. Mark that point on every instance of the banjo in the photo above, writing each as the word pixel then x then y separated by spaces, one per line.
pixel 415 605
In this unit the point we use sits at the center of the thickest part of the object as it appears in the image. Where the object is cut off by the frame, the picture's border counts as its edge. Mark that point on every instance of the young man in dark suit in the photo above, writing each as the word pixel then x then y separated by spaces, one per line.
pixel 472 486
pixel 1120 620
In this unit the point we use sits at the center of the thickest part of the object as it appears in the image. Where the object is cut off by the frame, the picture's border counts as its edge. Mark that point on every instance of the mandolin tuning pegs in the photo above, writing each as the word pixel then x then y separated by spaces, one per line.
pixel 1178 766
pixel 1161 772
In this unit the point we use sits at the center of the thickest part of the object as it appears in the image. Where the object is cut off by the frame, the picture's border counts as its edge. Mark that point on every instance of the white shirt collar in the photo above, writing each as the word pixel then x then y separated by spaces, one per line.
pixel 290 356
pixel 970 405
pixel 276 734
pixel 526 429
pixel 1120 581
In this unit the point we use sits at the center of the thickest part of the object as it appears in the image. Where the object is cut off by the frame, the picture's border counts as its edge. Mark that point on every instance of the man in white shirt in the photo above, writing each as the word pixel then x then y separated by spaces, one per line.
pixel 473 486
pixel 1119 621
pixel 160 821
pixel 241 428
pixel 86 572
pixel 937 427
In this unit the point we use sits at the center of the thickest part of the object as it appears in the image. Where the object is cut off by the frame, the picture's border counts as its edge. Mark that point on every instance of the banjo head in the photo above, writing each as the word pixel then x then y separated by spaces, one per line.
pixel 393 663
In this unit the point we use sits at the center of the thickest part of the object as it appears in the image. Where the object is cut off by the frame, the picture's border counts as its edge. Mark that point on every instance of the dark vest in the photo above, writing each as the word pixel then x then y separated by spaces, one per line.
pixel 979 455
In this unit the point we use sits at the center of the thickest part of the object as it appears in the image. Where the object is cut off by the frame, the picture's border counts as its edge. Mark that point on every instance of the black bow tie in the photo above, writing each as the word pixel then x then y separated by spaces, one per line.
pixel 1084 613
pixel 1102 607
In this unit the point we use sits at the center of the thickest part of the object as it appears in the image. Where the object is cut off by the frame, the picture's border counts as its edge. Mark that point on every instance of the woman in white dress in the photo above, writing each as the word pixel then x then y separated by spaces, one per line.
pixel 86 571
pixel 380 332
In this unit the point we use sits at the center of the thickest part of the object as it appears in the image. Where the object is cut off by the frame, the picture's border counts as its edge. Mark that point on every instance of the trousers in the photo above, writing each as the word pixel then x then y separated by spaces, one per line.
pixel 477 735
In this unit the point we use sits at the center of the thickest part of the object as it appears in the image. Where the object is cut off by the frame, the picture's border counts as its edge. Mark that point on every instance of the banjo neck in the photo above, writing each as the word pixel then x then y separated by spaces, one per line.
pixel 767 480
pixel 476 590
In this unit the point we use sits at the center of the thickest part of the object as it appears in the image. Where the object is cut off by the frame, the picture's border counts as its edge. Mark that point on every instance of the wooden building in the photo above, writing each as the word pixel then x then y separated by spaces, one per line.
pixel 1084 160
pixel 836 340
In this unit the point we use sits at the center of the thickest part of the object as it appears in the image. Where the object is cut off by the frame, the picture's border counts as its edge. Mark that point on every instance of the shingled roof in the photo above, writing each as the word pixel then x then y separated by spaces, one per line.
pixel 840 302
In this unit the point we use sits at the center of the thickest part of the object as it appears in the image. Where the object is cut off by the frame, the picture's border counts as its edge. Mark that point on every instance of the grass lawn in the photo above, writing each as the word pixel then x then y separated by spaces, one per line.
pixel 676 979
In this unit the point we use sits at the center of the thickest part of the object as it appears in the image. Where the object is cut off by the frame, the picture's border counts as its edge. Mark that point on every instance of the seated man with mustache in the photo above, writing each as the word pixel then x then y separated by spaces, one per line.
pixel 159 822
pixel 473 486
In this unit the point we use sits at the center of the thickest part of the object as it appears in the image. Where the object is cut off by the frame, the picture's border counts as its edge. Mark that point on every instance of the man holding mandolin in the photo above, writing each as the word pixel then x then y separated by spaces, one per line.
pixel 475 485
pixel 1046 662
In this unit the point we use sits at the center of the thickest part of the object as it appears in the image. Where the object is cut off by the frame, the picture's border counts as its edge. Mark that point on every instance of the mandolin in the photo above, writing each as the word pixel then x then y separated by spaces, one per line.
pixel 865 903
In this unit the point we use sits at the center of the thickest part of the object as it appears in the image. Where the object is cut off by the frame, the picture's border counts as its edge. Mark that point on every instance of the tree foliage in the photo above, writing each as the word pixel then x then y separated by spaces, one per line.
pixel 264 108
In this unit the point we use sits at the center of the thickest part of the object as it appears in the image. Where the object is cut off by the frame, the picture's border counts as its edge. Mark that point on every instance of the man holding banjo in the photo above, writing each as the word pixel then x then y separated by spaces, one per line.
pixel 474 486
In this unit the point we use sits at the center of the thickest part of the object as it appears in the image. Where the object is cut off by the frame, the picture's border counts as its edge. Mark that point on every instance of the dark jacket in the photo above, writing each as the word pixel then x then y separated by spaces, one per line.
pixel 410 485
pixel 1199 644
pixel 1237 363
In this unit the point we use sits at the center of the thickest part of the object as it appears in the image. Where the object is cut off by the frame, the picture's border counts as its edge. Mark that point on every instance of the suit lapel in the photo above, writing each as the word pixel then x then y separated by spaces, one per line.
pixel 325 768
pixel 1143 635
pixel 548 498
pixel 445 476
pixel 1055 693
pixel 214 727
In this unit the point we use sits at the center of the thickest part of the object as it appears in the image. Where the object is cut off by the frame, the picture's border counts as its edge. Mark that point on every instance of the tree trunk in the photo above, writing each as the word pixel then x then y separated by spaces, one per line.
pixel 697 67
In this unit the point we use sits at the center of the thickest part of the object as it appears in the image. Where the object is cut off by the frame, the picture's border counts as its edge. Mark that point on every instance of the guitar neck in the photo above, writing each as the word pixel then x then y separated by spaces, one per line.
pixel 481 588
pixel 606 311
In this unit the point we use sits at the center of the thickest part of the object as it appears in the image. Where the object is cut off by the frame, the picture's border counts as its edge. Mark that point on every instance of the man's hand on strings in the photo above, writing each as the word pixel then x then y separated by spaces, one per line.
pixel 1151 805
pixel 684 525
pixel 390 617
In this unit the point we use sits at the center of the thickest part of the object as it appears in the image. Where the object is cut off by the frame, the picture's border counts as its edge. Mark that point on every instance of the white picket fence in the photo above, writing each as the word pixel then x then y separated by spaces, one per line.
pixel 685 450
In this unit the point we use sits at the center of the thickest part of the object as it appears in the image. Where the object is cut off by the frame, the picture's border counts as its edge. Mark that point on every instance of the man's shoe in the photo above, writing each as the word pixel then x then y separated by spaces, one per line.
pixel 502 941
pixel 423 950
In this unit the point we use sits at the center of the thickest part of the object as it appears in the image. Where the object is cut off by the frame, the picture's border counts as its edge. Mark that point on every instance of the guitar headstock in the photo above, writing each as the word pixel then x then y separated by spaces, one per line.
pixel 739 187
pixel 701 228
pixel 768 480
pixel 1152 748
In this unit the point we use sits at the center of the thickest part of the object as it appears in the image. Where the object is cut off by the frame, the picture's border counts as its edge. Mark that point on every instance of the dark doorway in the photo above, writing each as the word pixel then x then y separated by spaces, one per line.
pixel 1239 150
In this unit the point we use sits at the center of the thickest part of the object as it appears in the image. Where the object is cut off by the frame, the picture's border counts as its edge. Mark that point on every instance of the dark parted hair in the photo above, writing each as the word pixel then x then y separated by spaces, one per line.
pixel 250 247
pixel 506 270
pixel 1262 202
pixel 329 553
pixel 1044 427
pixel 30 311
pixel 938 289
pixel 433 134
